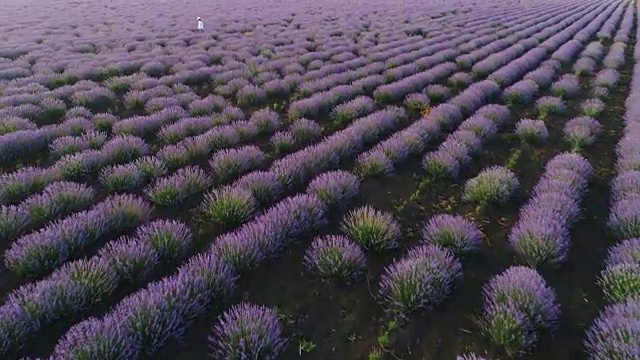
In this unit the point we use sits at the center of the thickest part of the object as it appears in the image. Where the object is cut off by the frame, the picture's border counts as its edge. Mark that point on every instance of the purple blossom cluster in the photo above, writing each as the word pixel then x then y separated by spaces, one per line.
pixel 399 89
pixel 495 184
pixel 566 87
pixel 66 145
pixel 607 78
pixel 420 280
pixel 355 108
pixel 541 234
pixel 529 130
pixel 148 125
pixel 40 252
pixel 453 232
pixel 613 334
pixel 335 188
pixel 620 279
pixel 18 185
pixel 185 127
pixel 248 332
pixel 372 229
pixel 549 105
pixel 581 132
pixel 177 187
pixel 615 59
pixel 592 107
pixel 335 257
pixel 79 285
pixel 520 93
pixel 132 176
pixel 456 150
pixel 56 200
pixel 228 164
pixel 517 306
pixel 301 166
pixel 204 280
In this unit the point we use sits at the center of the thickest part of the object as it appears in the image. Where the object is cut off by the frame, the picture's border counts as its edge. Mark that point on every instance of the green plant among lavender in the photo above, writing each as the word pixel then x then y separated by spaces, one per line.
pixel 372 229
pixel 335 257
pixel 493 185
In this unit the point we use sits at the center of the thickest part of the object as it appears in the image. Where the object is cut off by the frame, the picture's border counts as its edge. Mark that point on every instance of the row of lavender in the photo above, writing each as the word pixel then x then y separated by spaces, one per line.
pixel 83 166
pixel 615 333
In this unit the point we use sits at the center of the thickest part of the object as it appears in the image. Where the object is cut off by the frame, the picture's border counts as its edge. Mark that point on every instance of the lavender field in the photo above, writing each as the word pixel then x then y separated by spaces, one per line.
pixel 375 180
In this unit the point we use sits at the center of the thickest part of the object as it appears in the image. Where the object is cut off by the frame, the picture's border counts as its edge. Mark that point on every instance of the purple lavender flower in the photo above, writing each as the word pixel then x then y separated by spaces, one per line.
pixel 509 328
pixel 53 109
pixel 207 105
pixel 493 185
pixel 600 92
pixel 498 113
pixel 335 257
pixel 373 163
pixel 264 186
pixel 37 253
pixel 581 132
pixel 358 107
pixel 124 148
pixel 96 339
pixel 17 185
pixel 174 189
pixel 420 280
pixel 171 239
pixel 607 78
pixel 416 101
pixel 229 207
pixel 248 332
pixel 132 260
pixel 541 236
pixel 567 86
pixel 228 164
pixel 549 105
pixel 542 76
pixel 460 79
pixel 441 164
pixel 437 93
pixel 266 120
pixel 627 251
pixel 584 66
pixel 529 130
pixel 14 123
pixel 520 93
pixel 446 114
pixel 251 95
pixel 305 131
pixel 468 138
pixel 282 142
pixel 454 232
pixel 334 188
pixel 525 291
pixel 620 282
pixel 104 122
pixel 372 229
pixel 592 107
pixel 612 335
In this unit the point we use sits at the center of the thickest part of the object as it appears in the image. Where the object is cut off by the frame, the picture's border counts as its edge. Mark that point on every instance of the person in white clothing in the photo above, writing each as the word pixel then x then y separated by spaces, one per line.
pixel 200 25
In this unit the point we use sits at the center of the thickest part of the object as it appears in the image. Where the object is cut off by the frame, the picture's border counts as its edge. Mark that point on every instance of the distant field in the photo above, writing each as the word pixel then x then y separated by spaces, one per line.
pixel 415 180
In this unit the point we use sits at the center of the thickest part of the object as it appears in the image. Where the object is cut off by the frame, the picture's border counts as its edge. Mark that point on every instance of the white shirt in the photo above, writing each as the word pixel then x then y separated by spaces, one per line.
pixel 200 25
